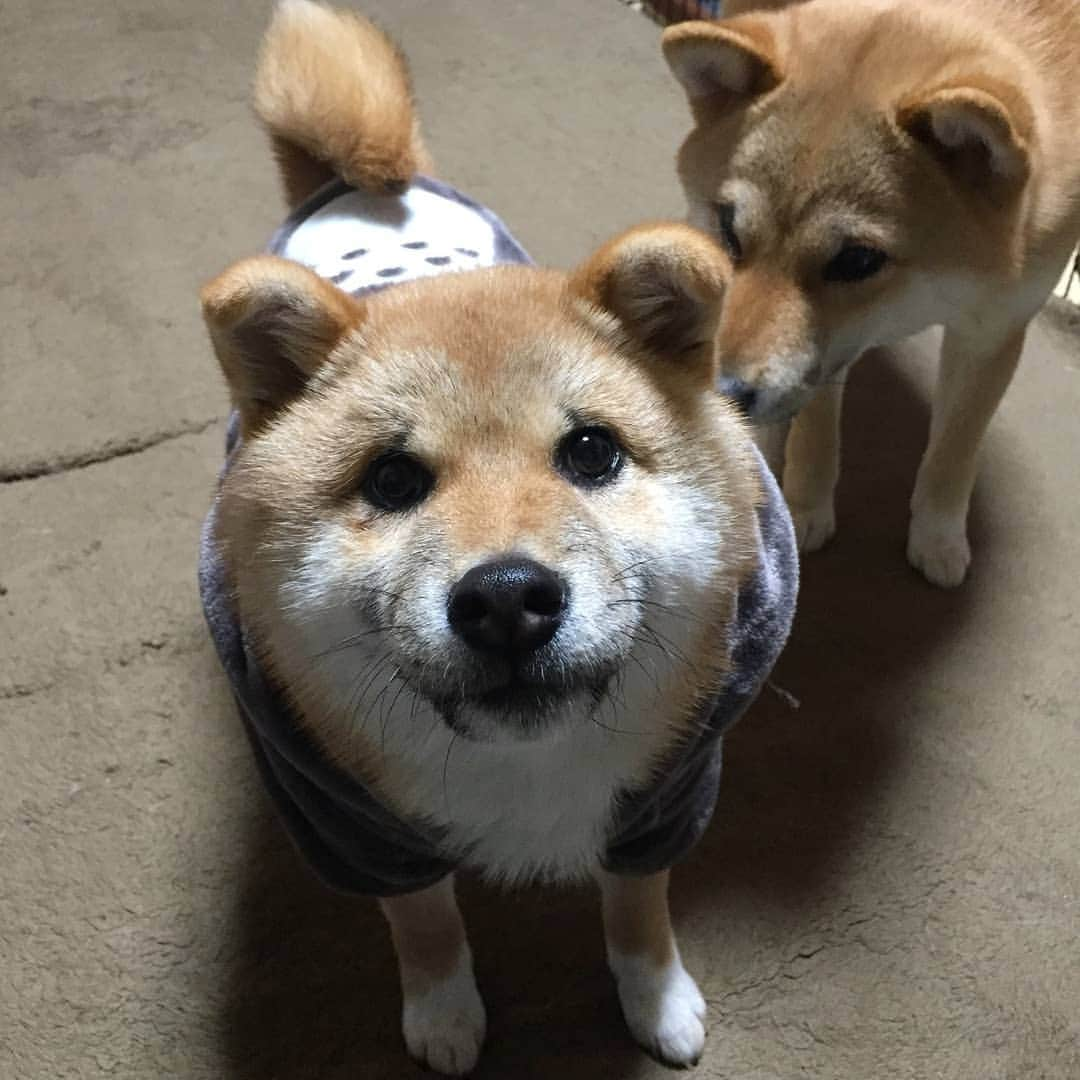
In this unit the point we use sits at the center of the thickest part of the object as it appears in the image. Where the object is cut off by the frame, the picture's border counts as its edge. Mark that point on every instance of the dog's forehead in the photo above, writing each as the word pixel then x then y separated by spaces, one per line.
pixel 478 375
pixel 801 166
pixel 478 320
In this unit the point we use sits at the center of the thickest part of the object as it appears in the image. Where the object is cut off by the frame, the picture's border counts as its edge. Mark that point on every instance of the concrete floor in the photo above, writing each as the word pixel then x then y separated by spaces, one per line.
pixel 891 886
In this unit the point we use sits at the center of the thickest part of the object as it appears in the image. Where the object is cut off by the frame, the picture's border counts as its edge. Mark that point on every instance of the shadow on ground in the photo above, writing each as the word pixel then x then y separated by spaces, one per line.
pixel 797 779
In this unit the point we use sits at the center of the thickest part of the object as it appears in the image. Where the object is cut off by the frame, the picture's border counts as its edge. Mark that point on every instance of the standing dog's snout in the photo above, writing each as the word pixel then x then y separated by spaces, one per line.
pixel 741 393
pixel 507 606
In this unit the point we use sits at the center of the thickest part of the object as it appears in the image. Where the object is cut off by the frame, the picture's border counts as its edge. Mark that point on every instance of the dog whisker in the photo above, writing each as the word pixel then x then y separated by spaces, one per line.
pixel 669 647
pixel 386 713
pixel 622 574
pixel 445 769
pixel 357 639
pixel 666 609
pixel 374 671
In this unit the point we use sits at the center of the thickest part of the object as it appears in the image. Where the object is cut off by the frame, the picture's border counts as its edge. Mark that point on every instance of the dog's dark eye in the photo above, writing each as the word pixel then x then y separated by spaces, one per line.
pixel 725 227
pixel 589 456
pixel 854 262
pixel 396 481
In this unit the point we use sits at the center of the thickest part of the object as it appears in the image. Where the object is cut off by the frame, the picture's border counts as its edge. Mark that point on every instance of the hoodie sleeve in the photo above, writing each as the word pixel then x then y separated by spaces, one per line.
pixel 353 842
pixel 656 826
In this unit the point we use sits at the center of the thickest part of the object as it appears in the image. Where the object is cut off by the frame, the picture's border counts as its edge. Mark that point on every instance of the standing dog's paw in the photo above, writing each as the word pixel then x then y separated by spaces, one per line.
pixel 663 1008
pixel 815 526
pixel 938 547
pixel 444 1026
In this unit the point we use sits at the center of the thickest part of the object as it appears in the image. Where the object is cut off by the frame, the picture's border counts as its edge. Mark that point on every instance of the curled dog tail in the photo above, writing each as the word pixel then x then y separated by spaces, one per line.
pixel 335 95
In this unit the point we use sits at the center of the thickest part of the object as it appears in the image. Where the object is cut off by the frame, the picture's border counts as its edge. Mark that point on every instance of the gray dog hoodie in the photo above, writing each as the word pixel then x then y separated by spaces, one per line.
pixel 363 242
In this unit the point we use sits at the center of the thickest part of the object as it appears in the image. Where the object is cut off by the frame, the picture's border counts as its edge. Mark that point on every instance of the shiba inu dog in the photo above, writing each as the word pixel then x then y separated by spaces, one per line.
pixel 491 566
pixel 875 167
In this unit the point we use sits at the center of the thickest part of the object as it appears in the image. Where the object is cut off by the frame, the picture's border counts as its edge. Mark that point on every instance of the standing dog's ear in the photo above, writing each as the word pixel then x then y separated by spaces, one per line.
pixel 723 64
pixel 978 128
pixel 273 323
pixel 664 285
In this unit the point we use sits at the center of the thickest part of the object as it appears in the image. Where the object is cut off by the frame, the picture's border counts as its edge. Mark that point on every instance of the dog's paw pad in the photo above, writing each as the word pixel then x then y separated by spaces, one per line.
pixel 938 548
pixel 444 1026
pixel 664 1010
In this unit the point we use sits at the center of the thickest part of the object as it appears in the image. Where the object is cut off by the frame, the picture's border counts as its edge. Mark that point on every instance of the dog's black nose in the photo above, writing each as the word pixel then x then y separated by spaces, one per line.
pixel 507 606
pixel 742 394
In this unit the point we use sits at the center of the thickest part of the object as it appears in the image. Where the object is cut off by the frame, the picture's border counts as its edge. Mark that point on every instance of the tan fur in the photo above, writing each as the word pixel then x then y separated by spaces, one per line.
pixel 272 323
pixel 428 933
pixel 497 341
pixel 324 120
pixel 478 369
pixel 631 282
pixel 480 376
pixel 636 917
pixel 942 132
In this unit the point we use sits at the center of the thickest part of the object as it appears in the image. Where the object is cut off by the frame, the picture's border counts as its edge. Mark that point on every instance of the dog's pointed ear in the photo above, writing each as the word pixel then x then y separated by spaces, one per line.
pixel 273 324
pixel 721 64
pixel 664 285
pixel 979 128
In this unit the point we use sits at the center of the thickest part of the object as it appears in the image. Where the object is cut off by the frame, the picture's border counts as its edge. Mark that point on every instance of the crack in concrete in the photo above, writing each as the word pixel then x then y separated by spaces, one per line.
pixel 11 691
pixel 785 968
pixel 34 470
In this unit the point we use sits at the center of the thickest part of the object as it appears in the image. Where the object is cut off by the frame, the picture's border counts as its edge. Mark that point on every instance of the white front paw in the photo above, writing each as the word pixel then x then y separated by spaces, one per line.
pixel 444 1026
pixel 663 1008
pixel 938 546
pixel 815 526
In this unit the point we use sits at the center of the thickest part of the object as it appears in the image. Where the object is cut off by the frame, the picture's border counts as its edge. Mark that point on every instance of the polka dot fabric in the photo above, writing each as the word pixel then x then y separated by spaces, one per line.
pixel 362 241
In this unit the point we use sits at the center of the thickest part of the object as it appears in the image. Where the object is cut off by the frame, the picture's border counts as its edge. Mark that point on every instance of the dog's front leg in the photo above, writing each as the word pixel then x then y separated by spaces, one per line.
pixel 812 466
pixel 771 439
pixel 442 1016
pixel 974 375
pixel 661 1003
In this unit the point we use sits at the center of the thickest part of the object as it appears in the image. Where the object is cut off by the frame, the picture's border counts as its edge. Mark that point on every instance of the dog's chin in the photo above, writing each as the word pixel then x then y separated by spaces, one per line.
pixel 522 710
pixel 782 408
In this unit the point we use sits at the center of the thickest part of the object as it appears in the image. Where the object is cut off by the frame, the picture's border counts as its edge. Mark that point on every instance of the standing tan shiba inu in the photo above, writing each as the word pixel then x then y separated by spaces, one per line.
pixel 491 566
pixel 875 167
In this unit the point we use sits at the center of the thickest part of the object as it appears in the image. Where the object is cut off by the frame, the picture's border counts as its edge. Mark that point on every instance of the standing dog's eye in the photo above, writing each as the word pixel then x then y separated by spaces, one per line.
pixel 589 456
pixel 396 481
pixel 854 262
pixel 725 227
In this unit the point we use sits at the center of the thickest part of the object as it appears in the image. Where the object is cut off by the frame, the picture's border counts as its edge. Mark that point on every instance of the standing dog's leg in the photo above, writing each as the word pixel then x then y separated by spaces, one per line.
pixel 771 439
pixel 812 466
pixel 661 1003
pixel 972 379
pixel 442 1016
